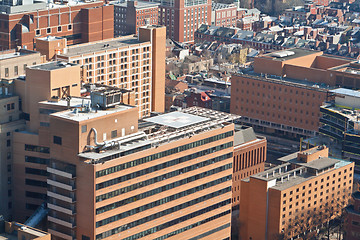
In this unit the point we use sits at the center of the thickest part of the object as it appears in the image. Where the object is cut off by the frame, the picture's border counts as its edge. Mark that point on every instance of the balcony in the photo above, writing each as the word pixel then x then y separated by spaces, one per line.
pixel 67 186
pixel 61 209
pixel 65 223
pixel 61 235
pixel 59 172
pixel 69 199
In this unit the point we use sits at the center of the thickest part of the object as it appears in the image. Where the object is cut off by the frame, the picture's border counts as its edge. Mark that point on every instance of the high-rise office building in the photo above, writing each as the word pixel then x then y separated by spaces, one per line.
pixel 104 175
pixel 296 197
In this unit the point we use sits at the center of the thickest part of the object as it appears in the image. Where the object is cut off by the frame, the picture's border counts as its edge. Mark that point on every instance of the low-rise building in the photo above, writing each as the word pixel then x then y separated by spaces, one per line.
pixel 223 15
pixel 295 198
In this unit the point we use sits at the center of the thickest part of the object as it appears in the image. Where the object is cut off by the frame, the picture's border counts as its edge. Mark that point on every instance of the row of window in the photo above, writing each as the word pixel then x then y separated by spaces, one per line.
pixel 165 225
pixel 163 188
pixel 36 171
pixel 162 166
pixel 34 148
pixel 163 154
pixel 36 183
pixel 249 159
pixel 37 160
pixel 321 181
pixel 36 195
pixel 161 177
pixel 176 196
pixel 192 226
pixel 161 213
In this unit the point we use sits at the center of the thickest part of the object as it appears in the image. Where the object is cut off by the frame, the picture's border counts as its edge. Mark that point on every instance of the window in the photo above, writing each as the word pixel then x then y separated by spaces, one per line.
pixel 57 140
pixel 6 72
pixel 34 148
pixel 114 134
pixel 16 70
pixel 8 143
pixel 48 30
pixel 37 32
pixel 59 28
pixel 83 128
pixel 69 27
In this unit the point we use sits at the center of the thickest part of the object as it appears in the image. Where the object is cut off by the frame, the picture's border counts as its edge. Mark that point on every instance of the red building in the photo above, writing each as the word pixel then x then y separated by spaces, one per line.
pixel 223 15
pixel 78 22
pixel 199 99
pixel 183 17
pixel 130 15
pixel 352 221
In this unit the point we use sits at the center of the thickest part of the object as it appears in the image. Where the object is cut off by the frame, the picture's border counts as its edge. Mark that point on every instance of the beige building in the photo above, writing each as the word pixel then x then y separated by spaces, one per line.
pixel 132 63
pixel 105 175
pixel 13 63
pixel 9 122
pixel 296 197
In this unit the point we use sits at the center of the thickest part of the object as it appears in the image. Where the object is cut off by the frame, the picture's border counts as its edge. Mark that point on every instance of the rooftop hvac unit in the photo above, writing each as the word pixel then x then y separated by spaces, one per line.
pixel 105 99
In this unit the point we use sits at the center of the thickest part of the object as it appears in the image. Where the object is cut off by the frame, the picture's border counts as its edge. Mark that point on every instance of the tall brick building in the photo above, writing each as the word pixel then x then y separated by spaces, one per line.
pixel 78 22
pixel 130 15
pixel 183 17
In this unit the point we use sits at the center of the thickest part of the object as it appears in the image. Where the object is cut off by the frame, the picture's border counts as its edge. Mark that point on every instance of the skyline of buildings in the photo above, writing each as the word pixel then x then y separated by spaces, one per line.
pixel 158 120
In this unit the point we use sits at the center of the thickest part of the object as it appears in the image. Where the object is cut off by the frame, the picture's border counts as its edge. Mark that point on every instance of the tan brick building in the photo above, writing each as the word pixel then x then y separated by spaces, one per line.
pixel 132 63
pixel 107 176
pixel 296 197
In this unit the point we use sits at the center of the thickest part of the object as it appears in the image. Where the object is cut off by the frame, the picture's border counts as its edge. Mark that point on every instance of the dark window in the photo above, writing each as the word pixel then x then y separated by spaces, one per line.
pixel 36 183
pixel 36 160
pixel 48 30
pixel 83 128
pixel 34 148
pixel 59 28
pixel 85 237
pixel 114 134
pixel 57 140
pixel 35 195
pixel 9 205
pixel 37 31
pixel 35 171
pixel 30 206
pixel 8 143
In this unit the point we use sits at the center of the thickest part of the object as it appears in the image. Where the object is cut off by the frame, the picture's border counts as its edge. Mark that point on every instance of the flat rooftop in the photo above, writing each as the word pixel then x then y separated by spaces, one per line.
pixel 289 54
pixel 352 115
pixel 346 92
pixel 74 102
pixel 176 119
pixel 140 4
pixel 87 48
pixel 287 81
pixel 79 116
pixel 6 56
pixel 49 66
pixel 164 128
pixel 287 177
